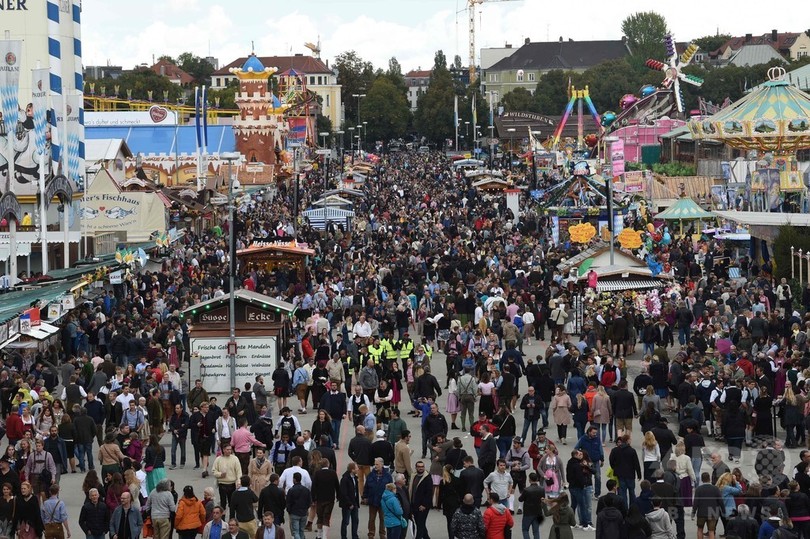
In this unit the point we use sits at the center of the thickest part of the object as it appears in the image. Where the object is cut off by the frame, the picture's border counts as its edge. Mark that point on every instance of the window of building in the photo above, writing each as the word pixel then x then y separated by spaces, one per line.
pixel 327 100
pixel 493 77
pixel 531 77
pixel 520 76
pixel 219 83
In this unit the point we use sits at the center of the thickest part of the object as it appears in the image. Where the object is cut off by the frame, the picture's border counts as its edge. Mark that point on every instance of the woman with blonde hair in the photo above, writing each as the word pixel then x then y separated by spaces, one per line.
pixel 651 455
pixel 650 396
pixel 685 473
pixel 602 413
pixel 729 488
pixel 560 409
pixel 133 485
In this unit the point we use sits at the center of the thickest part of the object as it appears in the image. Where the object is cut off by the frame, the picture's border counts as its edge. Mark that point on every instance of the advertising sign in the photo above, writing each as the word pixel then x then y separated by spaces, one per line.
pixel 617 157
pixel 209 362
pixel 634 181
pixel 156 115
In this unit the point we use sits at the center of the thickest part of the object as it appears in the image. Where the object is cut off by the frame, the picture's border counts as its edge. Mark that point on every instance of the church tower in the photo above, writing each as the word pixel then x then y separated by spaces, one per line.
pixel 260 122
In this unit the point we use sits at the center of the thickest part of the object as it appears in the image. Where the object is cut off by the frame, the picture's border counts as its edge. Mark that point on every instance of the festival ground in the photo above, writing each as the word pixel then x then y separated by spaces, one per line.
pixel 71 483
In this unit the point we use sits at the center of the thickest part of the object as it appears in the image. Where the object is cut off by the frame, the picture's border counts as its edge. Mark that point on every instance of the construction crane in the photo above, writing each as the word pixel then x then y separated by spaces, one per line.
pixel 471 14
pixel 316 49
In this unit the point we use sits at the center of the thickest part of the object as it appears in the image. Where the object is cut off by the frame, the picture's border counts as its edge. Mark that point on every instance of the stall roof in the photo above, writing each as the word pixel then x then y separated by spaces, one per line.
pixel 623 284
pixel 245 295
pixel 765 218
pixel 42 331
pixel 166 139
pixel 291 247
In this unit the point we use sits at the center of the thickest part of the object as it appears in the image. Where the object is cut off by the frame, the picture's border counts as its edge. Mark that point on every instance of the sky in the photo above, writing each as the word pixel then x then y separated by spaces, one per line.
pixel 411 30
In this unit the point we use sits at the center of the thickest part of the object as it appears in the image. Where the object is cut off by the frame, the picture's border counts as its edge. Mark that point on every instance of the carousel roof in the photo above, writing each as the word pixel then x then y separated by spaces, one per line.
pixel 584 191
pixel 684 209
pixel 773 117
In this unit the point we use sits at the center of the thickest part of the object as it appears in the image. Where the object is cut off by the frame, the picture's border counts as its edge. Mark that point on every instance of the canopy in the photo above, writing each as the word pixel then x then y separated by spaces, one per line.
pixel 773 117
pixel 683 210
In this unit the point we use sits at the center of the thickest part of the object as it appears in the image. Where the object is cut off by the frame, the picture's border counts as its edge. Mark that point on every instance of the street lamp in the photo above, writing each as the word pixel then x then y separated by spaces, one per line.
pixel 351 142
pixel 359 97
pixel 340 152
pixel 365 132
pixel 467 125
pixel 323 135
pixel 511 131
pixel 476 134
pixel 230 157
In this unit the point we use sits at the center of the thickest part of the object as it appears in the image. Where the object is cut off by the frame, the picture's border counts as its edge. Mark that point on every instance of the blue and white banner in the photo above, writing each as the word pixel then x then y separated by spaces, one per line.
pixel 205 118
pixel 197 114
pixel 40 87
pixel 74 135
pixel 10 51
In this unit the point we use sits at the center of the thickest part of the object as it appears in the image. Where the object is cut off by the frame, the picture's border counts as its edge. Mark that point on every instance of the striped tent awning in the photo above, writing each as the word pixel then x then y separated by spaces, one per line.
pixel 612 286
pixel 318 217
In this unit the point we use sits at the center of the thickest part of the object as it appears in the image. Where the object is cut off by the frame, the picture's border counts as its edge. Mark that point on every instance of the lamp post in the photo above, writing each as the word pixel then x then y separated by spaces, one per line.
pixel 365 134
pixel 351 142
pixel 358 146
pixel 358 97
pixel 476 134
pixel 609 180
pixel 230 158
pixel 340 152
pixel 323 135
pixel 511 132
pixel 467 126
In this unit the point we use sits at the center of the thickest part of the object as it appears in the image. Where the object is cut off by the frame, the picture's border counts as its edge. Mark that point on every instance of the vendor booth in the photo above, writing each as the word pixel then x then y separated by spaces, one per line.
pixel 262 328
pixel 270 256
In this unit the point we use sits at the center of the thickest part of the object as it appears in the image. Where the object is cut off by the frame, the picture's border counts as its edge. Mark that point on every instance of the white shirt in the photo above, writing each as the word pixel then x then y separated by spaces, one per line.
pixel 141 475
pixel 81 390
pixel 125 400
pixel 286 479
pixel 362 329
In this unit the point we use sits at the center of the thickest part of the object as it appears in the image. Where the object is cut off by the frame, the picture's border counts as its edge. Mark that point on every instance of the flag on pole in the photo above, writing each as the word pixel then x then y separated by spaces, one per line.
pixel 474 117
pixel 72 128
pixel 197 114
pixel 205 118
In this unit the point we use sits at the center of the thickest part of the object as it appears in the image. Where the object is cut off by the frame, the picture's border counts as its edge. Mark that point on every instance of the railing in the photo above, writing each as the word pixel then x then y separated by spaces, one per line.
pixel 802 256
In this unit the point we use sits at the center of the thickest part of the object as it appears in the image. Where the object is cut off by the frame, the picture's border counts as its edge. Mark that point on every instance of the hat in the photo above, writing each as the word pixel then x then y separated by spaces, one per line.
pixel 517 440
pixel 541 432
pixel 381 434
pixel 6 459
pixel 774 518
pixel 481 413
pixel 285 410
pixel 188 490
pixel 406 334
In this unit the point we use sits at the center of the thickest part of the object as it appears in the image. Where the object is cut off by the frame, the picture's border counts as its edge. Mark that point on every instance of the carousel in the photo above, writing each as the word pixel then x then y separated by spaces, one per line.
pixel 774 121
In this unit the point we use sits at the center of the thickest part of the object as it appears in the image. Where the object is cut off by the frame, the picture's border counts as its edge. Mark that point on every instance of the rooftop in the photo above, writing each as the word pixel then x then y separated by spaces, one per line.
pixel 308 65
pixel 173 72
pixel 549 55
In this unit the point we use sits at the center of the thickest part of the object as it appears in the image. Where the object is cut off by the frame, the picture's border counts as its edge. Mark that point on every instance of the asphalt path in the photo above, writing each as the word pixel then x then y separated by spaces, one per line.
pixel 73 496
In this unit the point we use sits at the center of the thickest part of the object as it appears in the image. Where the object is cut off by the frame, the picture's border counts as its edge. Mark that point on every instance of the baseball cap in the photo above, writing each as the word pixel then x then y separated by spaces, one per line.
pixel 380 434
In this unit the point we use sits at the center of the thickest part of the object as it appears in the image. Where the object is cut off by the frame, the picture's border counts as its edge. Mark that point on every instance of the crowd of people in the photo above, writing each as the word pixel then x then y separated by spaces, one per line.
pixel 433 292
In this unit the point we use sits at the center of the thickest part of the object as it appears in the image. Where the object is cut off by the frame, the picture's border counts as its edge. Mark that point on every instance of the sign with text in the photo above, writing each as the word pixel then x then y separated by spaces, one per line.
pixel 617 157
pixel 210 363
pixel 634 181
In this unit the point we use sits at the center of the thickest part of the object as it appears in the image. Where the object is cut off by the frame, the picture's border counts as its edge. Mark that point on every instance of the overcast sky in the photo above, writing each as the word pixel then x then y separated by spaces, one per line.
pixel 129 33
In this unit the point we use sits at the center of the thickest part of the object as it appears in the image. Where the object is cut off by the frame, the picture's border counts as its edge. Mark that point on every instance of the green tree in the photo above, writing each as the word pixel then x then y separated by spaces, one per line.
pixel 519 99
pixel 551 94
pixel 434 115
pixel 386 110
pixel 226 96
pixel 608 81
pixel 141 81
pixel 167 58
pixel 645 33
pixel 197 67
pixel 711 43
pixel 394 74
pixel 356 76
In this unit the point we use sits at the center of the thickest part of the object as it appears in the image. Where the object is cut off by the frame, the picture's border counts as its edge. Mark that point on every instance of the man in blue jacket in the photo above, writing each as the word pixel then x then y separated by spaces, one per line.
pixel 593 447
pixel 125 517
pixel 372 495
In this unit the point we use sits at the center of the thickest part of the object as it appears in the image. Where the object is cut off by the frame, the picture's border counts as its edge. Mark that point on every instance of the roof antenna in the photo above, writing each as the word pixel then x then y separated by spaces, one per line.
pixel 252 48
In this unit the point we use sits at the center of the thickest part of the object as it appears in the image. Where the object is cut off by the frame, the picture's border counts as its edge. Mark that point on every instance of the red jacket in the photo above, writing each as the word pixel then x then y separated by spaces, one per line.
pixel 14 427
pixel 475 430
pixel 496 521
pixel 306 349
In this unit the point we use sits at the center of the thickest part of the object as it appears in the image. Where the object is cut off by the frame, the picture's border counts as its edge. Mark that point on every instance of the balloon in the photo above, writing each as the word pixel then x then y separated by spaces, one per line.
pixel 650 227
pixel 608 118
pixel 591 140
pixel 646 90
pixel 666 239
pixel 627 101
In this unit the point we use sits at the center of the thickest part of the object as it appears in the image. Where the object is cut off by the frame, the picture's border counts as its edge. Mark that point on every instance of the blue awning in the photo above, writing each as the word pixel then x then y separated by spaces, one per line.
pixel 160 139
